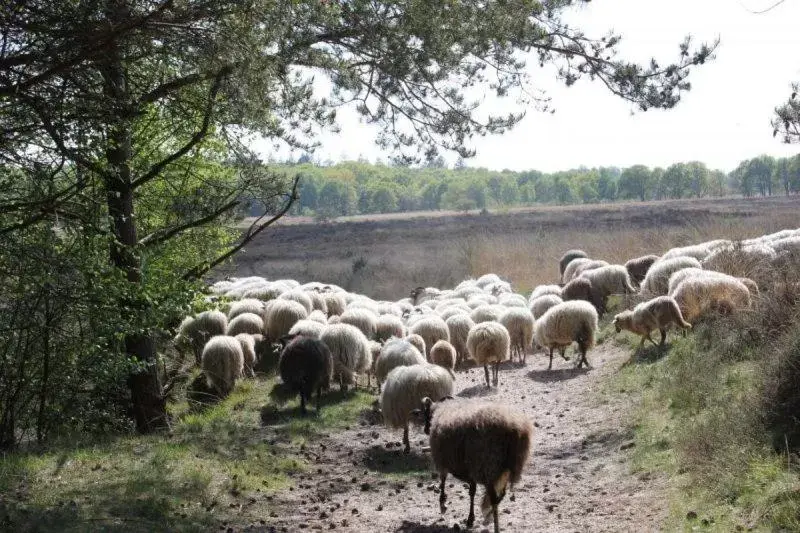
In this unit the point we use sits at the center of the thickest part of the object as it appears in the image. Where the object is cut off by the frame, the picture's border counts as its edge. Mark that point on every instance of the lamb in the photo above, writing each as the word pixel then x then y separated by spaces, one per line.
pixel 404 389
pixel 248 305
pixel 568 257
pixel 388 326
pixel 280 316
pixel 565 323
pixel 307 328
pixel 431 329
pixel 489 343
pixel 459 326
pixel 248 343
pixel 222 362
pixel 350 352
pixel 486 280
pixel 300 297
pixel 637 268
pixel 698 295
pixel 659 313
pixel 417 341
pixel 396 352
pixel 245 323
pixel 479 443
pixel 582 289
pixel 519 323
pixel 656 282
pixel 542 290
pixel 196 331
pixel 444 355
pixel 362 318
pixel 540 305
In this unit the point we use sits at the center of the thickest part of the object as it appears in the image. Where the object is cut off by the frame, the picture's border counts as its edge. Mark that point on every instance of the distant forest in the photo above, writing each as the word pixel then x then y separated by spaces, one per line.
pixel 360 187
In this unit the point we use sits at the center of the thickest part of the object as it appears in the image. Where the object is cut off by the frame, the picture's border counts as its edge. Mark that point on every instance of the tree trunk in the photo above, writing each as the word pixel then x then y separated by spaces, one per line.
pixel 149 406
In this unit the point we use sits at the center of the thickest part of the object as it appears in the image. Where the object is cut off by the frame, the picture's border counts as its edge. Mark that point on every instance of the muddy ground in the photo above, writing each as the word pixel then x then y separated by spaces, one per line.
pixel 578 478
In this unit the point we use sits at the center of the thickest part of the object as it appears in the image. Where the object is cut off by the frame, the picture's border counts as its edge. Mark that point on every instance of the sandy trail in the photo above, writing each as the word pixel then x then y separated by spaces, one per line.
pixel 578 478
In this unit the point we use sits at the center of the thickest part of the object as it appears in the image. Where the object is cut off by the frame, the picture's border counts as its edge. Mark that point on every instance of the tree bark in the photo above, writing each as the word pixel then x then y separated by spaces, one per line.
pixel 148 403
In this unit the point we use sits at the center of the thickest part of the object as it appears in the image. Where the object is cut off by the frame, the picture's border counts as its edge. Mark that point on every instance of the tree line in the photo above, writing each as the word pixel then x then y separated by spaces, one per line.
pixel 360 187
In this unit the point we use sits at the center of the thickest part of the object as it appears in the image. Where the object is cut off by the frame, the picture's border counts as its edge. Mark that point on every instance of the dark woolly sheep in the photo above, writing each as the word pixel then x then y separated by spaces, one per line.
pixel 478 442
pixel 306 367
pixel 567 259
pixel 637 268
pixel 582 289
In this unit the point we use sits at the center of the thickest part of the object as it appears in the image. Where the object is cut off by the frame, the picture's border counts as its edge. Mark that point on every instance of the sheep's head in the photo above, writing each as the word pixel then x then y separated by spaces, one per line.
pixel 623 320
pixel 427 410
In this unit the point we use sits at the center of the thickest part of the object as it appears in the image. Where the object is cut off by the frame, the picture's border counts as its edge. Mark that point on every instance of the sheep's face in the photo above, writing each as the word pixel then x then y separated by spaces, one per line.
pixel 622 320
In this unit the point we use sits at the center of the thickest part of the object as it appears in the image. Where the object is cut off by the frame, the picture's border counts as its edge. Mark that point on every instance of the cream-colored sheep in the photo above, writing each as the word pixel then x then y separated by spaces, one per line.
pixel 697 296
pixel 432 329
pixel 222 363
pixel 362 318
pixel 541 304
pixel 350 351
pixel 308 328
pixel 318 316
pixel 417 342
pixel 609 279
pixel 695 251
pixel 388 326
pixel 299 296
pixel 459 326
pixel 585 267
pixel 656 282
pixel 565 323
pixel 280 315
pixel 245 323
pixel 487 313
pixel 404 389
pixel 659 313
pixel 542 290
pixel 489 343
pixel 519 323
pixel 569 271
pixel 396 352
pixel 444 355
pixel 248 305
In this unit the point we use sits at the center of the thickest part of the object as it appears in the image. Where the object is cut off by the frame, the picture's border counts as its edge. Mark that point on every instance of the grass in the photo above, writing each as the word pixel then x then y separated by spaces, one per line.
pixel 214 467
pixel 700 423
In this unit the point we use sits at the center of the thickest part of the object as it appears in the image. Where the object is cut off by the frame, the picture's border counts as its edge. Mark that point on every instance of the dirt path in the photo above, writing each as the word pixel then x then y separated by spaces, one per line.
pixel 578 478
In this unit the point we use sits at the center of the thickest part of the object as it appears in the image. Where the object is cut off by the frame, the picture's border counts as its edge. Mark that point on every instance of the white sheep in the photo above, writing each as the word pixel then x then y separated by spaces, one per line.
pixel 459 326
pixel 699 295
pixel 318 316
pixel 248 343
pixel 541 290
pixel 396 352
pixel 444 355
pixel 388 326
pixel 350 351
pixel 487 313
pixel 565 323
pixel 569 271
pixel 195 332
pixel 245 323
pixel 519 323
pixel 656 282
pixel 362 318
pixel 431 329
pixel 695 251
pixel 280 316
pixel 335 303
pixel 300 297
pixel 568 257
pixel 447 312
pixel 489 343
pixel 404 389
pixel 248 305
pixel 541 304
pixel 658 313
pixel 417 341
pixel 609 279
pixel 307 328
pixel 222 363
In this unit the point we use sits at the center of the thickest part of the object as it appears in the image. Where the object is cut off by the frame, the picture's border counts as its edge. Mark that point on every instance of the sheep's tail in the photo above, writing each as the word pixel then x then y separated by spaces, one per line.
pixel 500 489
pixel 679 316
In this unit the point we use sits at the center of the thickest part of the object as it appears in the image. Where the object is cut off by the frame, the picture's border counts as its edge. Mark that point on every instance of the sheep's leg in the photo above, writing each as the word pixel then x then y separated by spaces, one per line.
pixel 319 396
pixel 641 343
pixel 486 371
pixel 663 336
pixel 496 374
pixel 563 352
pixel 303 403
pixel 494 499
pixel 407 449
pixel 471 518
pixel 442 497
pixel 550 366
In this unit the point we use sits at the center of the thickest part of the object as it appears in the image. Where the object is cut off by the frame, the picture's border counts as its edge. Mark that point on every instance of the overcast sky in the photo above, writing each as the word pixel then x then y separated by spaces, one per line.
pixel 724 118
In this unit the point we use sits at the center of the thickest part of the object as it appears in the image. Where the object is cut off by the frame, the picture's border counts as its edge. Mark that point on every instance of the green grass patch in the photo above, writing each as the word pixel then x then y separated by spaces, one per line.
pixel 216 466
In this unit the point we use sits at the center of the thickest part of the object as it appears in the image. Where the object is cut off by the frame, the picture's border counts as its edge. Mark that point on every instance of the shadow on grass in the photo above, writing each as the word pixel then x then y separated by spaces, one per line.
pixel 557 374
pixel 394 461
pixel 272 414
pixel 649 354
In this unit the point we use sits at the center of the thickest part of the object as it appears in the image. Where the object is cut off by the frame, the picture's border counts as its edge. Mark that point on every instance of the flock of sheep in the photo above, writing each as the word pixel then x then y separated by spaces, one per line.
pixel 414 345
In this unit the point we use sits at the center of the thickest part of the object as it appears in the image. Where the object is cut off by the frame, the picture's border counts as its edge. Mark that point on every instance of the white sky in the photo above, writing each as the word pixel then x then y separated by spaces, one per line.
pixel 724 118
